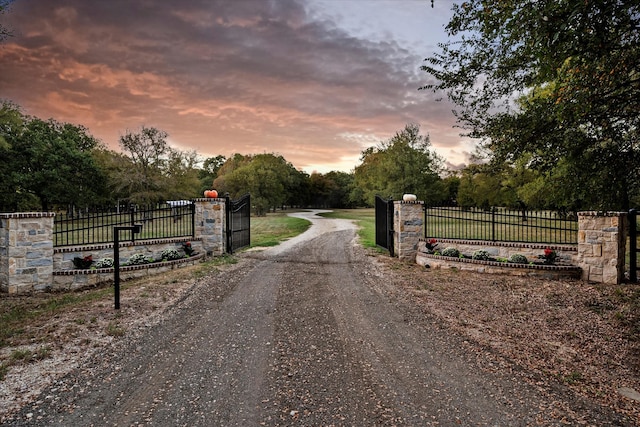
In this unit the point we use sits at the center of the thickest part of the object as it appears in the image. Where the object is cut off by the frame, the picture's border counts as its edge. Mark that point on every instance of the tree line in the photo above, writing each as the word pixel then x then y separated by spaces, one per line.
pixel 550 90
pixel 47 165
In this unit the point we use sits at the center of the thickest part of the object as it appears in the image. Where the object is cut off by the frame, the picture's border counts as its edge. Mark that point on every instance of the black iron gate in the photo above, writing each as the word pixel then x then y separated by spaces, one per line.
pixel 633 245
pixel 384 224
pixel 238 223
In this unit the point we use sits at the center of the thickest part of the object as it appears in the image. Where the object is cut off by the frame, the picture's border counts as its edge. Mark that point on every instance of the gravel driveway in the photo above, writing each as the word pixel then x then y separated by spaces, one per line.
pixel 307 333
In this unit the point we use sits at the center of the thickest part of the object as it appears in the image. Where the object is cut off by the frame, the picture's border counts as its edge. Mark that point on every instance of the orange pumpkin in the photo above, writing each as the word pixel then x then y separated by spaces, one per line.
pixel 213 194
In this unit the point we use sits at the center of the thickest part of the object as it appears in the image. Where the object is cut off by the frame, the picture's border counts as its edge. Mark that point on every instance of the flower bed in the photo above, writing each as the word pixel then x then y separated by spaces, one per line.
pixel 76 267
pixel 500 258
pixel 81 278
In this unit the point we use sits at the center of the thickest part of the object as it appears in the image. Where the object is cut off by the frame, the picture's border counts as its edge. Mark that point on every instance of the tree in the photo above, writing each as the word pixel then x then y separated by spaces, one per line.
pixel 297 188
pixel 148 151
pixel 321 188
pixel 267 177
pixel 554 80
pixel 343 184
pixel 181 175
pixel 490 184
pixel 404 164
pixel 209 171
pixel 52 163
pixel 154 171
pixel 114 166
pixel 4 31
pixel 11 126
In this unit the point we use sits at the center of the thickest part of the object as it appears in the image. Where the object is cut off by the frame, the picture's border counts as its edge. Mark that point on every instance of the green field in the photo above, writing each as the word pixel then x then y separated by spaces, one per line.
pixel 274 228
pixel 366 220
pixel 98 228
pixel 500 225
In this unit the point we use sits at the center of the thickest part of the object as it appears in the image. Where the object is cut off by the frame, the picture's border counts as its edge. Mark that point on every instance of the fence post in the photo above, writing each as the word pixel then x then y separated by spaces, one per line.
pixel 493 224
pixel 228 225
pixel 601 246
pixel 26 252
pixel 390 228
pixel 193 219
pixel 134 229
pixel 407 228
pixel 209 227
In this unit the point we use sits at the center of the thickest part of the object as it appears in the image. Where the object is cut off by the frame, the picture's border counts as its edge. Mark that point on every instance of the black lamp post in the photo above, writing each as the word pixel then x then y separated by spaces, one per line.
pixel 135 229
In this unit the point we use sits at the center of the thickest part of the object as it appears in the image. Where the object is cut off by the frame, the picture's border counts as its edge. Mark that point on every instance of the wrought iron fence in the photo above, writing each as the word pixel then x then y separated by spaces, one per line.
pixel 501 224
pixel 384 223
pixel 238 219
pixel 91 226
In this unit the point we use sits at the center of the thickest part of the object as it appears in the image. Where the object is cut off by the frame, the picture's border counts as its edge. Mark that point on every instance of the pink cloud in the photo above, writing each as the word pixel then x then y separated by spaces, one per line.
pixel 219 76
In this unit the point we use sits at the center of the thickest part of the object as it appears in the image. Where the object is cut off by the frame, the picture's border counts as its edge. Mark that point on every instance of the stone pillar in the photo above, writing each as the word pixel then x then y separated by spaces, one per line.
pixel 408 221
pixel 210 225
pixel 601 246
pixel 26 252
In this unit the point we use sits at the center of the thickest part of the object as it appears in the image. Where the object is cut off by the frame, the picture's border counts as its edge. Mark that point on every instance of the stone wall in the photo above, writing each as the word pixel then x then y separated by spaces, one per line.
pixel 601 246
pixel 599 253
pixel 26 251
pixel 567 254
pixel 552 272
pixel 80 279
pixel 408 220
pixel 210 217
pixel 29 262
pixel 67 277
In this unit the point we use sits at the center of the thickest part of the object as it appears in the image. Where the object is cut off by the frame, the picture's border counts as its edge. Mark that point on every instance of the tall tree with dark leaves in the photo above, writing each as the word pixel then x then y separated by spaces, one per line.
pixel 53 162
pixel 149 151
pixel 403 164
pixel 558 81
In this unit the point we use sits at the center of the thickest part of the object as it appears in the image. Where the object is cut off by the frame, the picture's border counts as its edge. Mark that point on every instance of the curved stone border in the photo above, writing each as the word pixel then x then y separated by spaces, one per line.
pixel 496 267
pixel 80 279
pixel 128 267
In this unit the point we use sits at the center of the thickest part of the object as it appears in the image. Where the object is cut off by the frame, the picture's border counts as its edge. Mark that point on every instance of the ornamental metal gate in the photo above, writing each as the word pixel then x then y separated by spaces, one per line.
pixel 633 245
pixel 384 224
pixel 238 223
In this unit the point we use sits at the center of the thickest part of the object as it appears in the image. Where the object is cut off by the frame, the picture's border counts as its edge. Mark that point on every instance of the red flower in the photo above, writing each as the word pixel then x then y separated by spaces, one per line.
pixel 431 244
pixel 549 256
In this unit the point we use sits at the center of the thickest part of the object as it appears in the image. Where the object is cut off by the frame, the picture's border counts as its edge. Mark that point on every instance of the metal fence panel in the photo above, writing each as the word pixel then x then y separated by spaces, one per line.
pixel 501 224
pixel 238 223
pixel 384 223
pixel 93 226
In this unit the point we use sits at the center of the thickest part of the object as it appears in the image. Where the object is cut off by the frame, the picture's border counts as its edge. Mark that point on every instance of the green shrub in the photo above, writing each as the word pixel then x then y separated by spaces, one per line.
pixel 171 254
pixel 481 255
pixel 104 263
pixel 518 259
pixel 452 252
pixel 139 259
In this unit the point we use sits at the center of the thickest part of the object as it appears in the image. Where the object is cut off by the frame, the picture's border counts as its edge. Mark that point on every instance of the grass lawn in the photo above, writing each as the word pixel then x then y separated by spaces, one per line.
pixel 274 228
pixel 366 219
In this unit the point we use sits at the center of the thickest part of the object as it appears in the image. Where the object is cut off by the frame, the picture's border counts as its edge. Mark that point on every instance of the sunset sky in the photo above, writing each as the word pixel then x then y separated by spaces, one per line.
pixel 316 81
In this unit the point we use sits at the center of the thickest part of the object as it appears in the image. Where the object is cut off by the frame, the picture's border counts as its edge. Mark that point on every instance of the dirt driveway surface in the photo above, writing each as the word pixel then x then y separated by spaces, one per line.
pixel 308 333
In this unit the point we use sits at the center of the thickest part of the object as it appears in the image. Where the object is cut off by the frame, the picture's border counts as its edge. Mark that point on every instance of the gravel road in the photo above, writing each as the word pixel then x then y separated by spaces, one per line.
pixel 307 333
